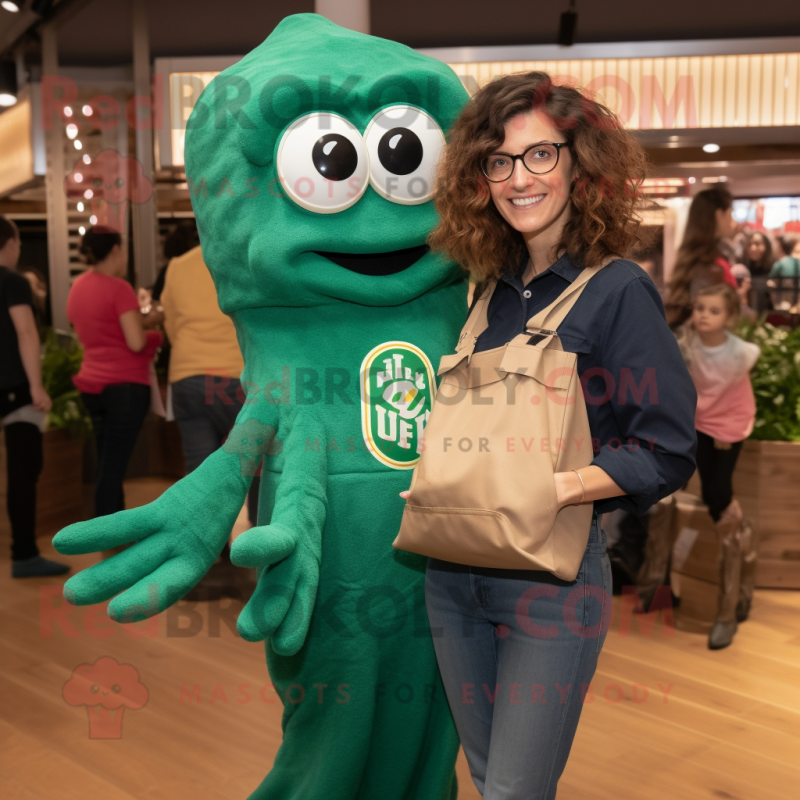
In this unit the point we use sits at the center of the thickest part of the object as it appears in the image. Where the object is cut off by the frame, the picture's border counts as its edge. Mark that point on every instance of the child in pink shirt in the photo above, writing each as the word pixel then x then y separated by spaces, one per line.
pixel 720 363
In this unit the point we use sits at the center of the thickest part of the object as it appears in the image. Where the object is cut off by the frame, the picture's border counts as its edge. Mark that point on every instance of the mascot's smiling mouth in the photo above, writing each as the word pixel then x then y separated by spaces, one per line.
pixel 377 263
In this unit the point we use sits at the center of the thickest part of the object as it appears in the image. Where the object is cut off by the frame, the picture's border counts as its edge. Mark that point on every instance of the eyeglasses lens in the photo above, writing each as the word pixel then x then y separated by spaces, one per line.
pixel 539 159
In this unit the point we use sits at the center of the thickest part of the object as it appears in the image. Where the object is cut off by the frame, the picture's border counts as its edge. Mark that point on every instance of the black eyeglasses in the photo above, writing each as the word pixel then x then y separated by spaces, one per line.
pixel 538 159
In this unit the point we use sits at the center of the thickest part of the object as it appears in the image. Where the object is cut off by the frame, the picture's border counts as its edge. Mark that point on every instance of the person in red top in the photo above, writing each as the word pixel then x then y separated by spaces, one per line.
pixel 701 261
pixel 114 379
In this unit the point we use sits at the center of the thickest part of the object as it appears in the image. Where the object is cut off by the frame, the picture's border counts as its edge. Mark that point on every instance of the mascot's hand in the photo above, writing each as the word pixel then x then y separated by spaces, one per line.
pixel 288 550
pixel 175 539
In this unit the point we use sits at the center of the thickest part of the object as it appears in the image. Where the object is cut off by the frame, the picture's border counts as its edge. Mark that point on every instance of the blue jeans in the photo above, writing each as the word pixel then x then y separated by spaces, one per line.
pixel 205 408
pixel 517 650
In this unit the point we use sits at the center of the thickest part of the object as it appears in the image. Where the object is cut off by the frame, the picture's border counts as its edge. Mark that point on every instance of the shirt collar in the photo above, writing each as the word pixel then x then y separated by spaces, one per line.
pixel 564 268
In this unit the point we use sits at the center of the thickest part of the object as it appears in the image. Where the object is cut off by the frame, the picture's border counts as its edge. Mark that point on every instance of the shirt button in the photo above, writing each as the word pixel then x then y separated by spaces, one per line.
pixel 526 294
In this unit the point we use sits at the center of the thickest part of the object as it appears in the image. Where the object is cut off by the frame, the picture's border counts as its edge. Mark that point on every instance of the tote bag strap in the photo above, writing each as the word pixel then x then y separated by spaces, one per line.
pixel 551 317
pixel 477 322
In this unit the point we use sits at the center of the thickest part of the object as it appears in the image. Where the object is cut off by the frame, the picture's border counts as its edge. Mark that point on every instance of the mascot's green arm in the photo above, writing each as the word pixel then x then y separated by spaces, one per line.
pixel 179 536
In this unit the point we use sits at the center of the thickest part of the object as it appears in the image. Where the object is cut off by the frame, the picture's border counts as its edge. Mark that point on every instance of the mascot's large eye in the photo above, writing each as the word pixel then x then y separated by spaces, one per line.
pixel 322 163
pixel 403 143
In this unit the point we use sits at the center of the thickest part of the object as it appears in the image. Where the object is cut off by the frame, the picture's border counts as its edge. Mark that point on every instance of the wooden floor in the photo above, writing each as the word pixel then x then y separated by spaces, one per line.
pixel 668 719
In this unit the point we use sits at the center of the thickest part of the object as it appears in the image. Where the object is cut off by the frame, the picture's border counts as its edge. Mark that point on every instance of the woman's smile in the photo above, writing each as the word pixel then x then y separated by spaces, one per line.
pixel 528 200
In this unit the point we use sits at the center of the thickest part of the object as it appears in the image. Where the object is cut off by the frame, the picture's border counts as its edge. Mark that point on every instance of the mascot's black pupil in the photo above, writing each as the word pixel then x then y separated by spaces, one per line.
pixel 400 151
pixel 335 157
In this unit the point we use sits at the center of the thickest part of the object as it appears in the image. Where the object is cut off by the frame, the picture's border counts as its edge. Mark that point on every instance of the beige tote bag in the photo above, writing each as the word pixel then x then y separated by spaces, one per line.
pixel 504 422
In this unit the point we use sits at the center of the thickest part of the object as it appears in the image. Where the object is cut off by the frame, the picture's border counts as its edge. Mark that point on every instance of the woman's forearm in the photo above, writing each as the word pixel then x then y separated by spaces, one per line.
pixel 31 357
pixel 597 482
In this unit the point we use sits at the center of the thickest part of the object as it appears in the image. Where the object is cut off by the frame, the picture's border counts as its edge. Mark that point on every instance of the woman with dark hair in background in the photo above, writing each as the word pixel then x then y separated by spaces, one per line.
pixel 181 239
pixel 114 379
pixel 24 404
pixel 700 260
pixel 758 259
pixel 758 253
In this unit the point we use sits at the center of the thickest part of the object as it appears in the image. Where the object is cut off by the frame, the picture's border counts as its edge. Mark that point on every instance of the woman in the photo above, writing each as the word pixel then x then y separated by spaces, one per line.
pixel 114 379
pixel 758 259
pixel 758 254
pixel 24 404
pixel 536 183
pixel 700 260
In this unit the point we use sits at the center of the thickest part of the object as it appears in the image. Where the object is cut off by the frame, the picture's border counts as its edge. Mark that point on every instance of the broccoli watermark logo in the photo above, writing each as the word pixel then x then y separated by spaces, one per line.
pixel 397 392
pixel 106 688
pixel 252 440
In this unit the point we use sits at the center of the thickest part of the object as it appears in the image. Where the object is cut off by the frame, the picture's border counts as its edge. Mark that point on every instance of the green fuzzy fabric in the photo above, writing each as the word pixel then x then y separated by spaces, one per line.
pixel 348 645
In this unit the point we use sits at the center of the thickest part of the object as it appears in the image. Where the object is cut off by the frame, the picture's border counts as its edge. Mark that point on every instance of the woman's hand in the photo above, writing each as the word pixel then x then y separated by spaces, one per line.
pixel 569 489
pixel 405 494
pixel 41 400
pixel 598 486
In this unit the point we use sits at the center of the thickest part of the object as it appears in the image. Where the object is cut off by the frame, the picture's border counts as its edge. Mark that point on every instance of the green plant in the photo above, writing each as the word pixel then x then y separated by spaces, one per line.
pixel 61 361
pixel 776 381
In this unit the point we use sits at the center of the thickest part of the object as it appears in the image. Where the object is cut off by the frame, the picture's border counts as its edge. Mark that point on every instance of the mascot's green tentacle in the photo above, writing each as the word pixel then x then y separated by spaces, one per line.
pixel 283 602
pixel 310 165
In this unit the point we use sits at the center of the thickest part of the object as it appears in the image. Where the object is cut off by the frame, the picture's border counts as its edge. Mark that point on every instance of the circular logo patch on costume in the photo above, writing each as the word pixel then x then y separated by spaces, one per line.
pixel 397 392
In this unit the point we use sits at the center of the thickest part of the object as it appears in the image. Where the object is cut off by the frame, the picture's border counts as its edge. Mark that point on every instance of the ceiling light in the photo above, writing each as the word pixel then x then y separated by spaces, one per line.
pixel 663 182
pixel 93 219
pixel 11 6
pixel 691 180
pixel 78 177
pixel 569 22
pixel 80 206
pixel 78 144
pixel 67 111
pixel 7 99
pixel 88 194
pixel 81 230
pixel 87 111
pixel 72 130
pixel 661 190
pixel 711 148
pixel 87 159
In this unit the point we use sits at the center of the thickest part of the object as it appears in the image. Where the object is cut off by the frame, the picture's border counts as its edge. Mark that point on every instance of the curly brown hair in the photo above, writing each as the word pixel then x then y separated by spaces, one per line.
pixel 604 197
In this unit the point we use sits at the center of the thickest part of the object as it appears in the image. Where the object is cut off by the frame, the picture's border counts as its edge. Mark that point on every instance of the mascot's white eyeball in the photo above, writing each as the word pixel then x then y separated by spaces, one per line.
pixel 404 144
pixel 322 163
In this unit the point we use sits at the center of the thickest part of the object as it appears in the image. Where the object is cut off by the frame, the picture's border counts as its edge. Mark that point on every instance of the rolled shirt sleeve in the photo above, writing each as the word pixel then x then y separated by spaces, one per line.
pixel 644 391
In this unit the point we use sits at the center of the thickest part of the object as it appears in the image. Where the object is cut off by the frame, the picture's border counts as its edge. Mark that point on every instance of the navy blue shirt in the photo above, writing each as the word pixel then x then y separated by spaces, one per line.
pixel 639 396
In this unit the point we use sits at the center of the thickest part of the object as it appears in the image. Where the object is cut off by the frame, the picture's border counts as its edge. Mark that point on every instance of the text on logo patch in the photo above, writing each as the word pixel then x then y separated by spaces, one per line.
pixel 397 392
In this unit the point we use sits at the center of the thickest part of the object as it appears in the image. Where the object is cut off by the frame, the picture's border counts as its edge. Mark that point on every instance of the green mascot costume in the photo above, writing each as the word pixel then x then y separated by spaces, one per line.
pixel 311 163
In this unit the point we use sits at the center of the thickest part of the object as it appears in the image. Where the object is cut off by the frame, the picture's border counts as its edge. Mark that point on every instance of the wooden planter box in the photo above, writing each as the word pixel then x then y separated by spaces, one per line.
pixel 59 496
pixel 767 484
